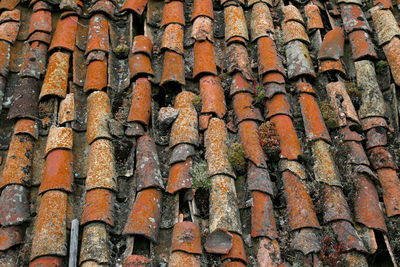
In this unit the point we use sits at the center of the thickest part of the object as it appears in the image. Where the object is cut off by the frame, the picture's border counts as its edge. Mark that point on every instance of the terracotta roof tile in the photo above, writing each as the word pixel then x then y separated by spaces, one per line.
pixel 216 143
pixel 9 4
pixel 347 236
pixel 385 24
pixel 204 120
pixel 59 138
pixel 348 134
pixel 14 205
pixel 10 236
pixel 333 45
pixel 58 171
pixel 219 242
pixel 313 17
pixel 234 2
pixel 298 60
pixel 356 153
pixel 224 210
pixel 137 6
pixel 268 252
pixel 79 67
pixel 386 4
pixel 202 8
pixel 244 110
pixel 139 261
pixel 249 138
pixel 294 167
pixel 332 66
pixel 261 24
pixel 145 216
pixel 361 45
pixel 299 205
pixel 50 233
pixel 25 99
pixel 67 109
pixel 262 216
pixel 202 29
pixel 277 105
pixel 141 102
pixel 40 5
pixel 94 246
pixel 235 23
pixel 179 258
pixel 13 15
pixel 391 190
pixel 46 261
pixel 140 65
pixel 238 60
pixel 173 38
pixel 96 75
pixel 99 109
pixel 273 77
pixel 204 61
pixel 366 205
pixel 290 145
pixel 258 179
pixel 25 126
pixel 142 44
pixel 291 13
pixel 35 61
pixel 268 58
pixel 175 71
pixel 101 172
pixel 373 122
pixel 64 36
pixel 356 2
pixel 325 169
pixel 186 237
pixel 353 18
pixel 180 176
pixel 239 84
pixel 56 79
pixel 40 37
pixel 98 38
pixel 376 137
pixel 237 251
pixel 294 31
pixel 4 58
pixel 392 53
pixel 173 13
pixel 181 153
pixel 184 129
pixel 40 21
pixel 212 96
pixel 105 7
pixel 380 158
pixel 99 207
pixel 335 205
pixel 306 240
pixel 17 168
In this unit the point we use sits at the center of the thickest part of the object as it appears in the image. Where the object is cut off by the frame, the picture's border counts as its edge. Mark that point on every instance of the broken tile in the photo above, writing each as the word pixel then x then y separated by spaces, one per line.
pixel 202 29
pixel 186 237
pixel 347 236
pixel 67 109
pixel 14 205
pixel 237 251
pixel 380 157
pixel 240 84
pixel 306 240
pixel 137 6
pixel 258 180
pixel 244 110
pixel 181 152
pixel 376 137
pixel 219 242
pixel 333 45
pixel 238 60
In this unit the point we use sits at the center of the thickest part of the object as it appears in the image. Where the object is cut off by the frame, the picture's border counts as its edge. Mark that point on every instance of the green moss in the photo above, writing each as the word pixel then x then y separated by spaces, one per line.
pixel 121 51
pixel 354 93
pixel 197 103
pixel 199 175
pixel 237 157
pixel 381 67
pixel 329 115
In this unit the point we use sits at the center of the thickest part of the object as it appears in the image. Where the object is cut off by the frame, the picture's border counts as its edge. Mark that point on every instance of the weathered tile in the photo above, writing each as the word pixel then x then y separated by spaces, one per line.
pixel 252 2
pixel 244 109
pixel 35 61
pixel 141 102
pixel 298 60
pixel 376 137
pixel 238 60
pixel 4 58
pixel 291 13
pixel 105 7
pixel 294 167
pixel 186 237
pixel 9 4
pixel 26 126
pixel 173 13
pixel 59 138
pixel 202 29
pixel 99 207
pixel 240 84
pixel 325 169
pixel 392 53
pixel 137 260
pixel 347 236
pixel 335 205
pixel 333 45
pixel 237 251
pixel 9 31
pixel 64 36
pixel 356 153
pixel 140 65
pixel 173 68
pixel 204 62
pixel 262 216
pixel 137 6
pixel 14 205
pixel 385 25
pixel 261 24
pixel 99 112
pixel 18 55
pixel 142 44
pixel 273 78
pixel 94 245
pixel 390 190
pixel 268 58
pixel 212 96
pixel 313 17
pixel 96 75
pixel 180 258
pixel 173 38
pixel 306 240
pixel 362 46
pixel 219 242
pixel 46 261
pixel 40 21
pixel 277 105
pixel 268 252
pixel 373 122
pixel 334 66
pixel 66 112
pixel 202 8
pixel 294 31
pixel 380 157
pixel 355 2
pixel 348 134
pixel 235 23
pixel 180 176
pixel 98 39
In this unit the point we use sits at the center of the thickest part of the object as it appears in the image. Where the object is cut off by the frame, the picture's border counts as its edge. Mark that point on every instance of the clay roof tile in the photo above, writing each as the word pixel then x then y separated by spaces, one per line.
pixel 244 109
pixel 361 45
pixel 212 96
pixel 313 17
pixel 14 205
pixel 96 75
pixel 261 23
pixel 40 21
pixel 353 18
pixel 391 190
pixel 99 111
pixel 250 140
pixel 333 45
pixel 291 13
pixel 173 38
pixel 9 4
pixel 335 204
pixel 262 216
pixel 186 237
pixel 392 53
pixel 268 57
pixel 98 38
pixel 94 245
pixel 202 8
pixel 99 207
pixel 237 251
pixel 59 138
pixel 180 176
pixel 294 30
pixel 66 112
pixel 137 6
pixel 25 97
pixel 289 142
pixel 26 126
pixel 173 13
pixel 298 60
pixel 142 44
pixel 202 29
pixel 10 236
pixel 34 64
pixel 173 70
pixel 64 37
pixel 141 102
pixel 347 236
pixel 235 23
pixel 204 61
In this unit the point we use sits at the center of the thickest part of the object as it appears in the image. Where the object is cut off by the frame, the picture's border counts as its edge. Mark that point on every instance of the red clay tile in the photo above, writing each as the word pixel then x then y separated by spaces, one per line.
pixel 278 105
pixel 294 167
pixel 9 4
pixel 9 31
pixel 96 75
pixel 313 122
pixel 258 179
pixel 136 261
pixel 356 153
pixel 298 60
pixel 380 157
pixel 64 37
pixel 353 18
pixel 180 176
pixel 219 241
pixel 181 153
pixel 12 15
pixel 335 205
pixel 333 45
pixel 325 169
pixel 237 251
pixel 58 171
pixel 10 236
pixel 145 215
pixel 216 143
pixel 292 31
pixel 26 126
pixel 46 261
pixel 202 8
pixel 78 67
pixel 147 171
pixel 376 137
pixel 235 23
pixel 385 24
pixel 173 13
pixel 173 38
pixel 273 77
pixel 50 234
pixel 244 110
pixel 59 138
pixel 99 111
pixel 204 120
pixel 179 258
pixel 204 62
pixel 142 44
pixel 40 21
pixel 347 236
pixel 99 207
pixel 238 60
pixel 226 3
pixel 386 4
pixel 392 53
pixel 239 84
pixel 137 6
pixel 56 80
pixel 18 164
pixel 291 13
pixel 332 65
pixel 366 205
pixel 140 65
pixel 25 99
pixel 101 172
pixel 141 102
pixel 186 237
pixel 40 5
pixel 372 122
pixel 299 205
pixel 337 90
pixel 262 216
pixel 105 7
pixel 202 29
pixel 248 132
pixel 362 46
pixel 268 58
pixel 289 142
pixel 66 111
pixel 261 24
pixel 390 190
pixel 35 61
pixel 268 253
pixel 98 38
pixel 348 134
pixel 313 17
pixel 212 96
pixel 14 205
pixel 173 70
pixel 94 245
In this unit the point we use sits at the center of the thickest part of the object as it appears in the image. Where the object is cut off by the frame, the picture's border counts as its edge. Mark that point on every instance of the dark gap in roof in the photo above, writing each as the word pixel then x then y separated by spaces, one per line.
pixel 141 246
pixel 381 257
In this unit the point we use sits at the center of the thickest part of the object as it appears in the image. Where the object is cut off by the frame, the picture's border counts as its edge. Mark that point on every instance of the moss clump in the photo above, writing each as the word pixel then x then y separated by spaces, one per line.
pixel 260 95
pixel 197 103
pixel 121 51
pixel 354 93
pixel 199 175
pixel 381 67
pixel 269 139
pixel 237 157
pixel 329 115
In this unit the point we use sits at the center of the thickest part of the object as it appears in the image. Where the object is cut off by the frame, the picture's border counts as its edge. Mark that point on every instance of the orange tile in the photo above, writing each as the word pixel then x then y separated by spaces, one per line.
pixel 141 102
pixel 273 77
pixel 180 176
pixel 12 15
pixel 391 190
pixel 386 4
pixel 332 66
pixel 140 65
pixel 212 96
pixel 347 236
pixel 353 18
pixel 46 261
pixel 99 111
pixel 26 126
pixel 40 5
pixel 261 23
pixel 40 21
pixel 380 157
pixel 64 37
pixel 240 84
pixel 204 61
pixel 58 171
pixel 173 13
pixel 66 111
pixel 304 87
pixel 173 38
pixel 106 7
pixel 99 207
pixel 362 46
pixel 204 120
pixel 244 109
pixel 202 8
pixel 50 232
pixel 145 215
pixel 250 140
pixel 293 30
pixel 262 216
pixel 241 2
pixel 9 4
pixel 96 75
pixel 392 53
pixel 291 13
pixel 173 69
pixel 180 258
pixel 278 105
pixel 235 23
pixel 5 49
pixel 333 45
pixel 335 206
pixel 98 38
pixel 56 80
pixel 237 251
pixel 59 138
pixel 202 29
pixel 136 261
pixel 186 237
pixel 268 58
pixel 313 16
pixel 142 44
pixel 289 142
pixel 14 205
